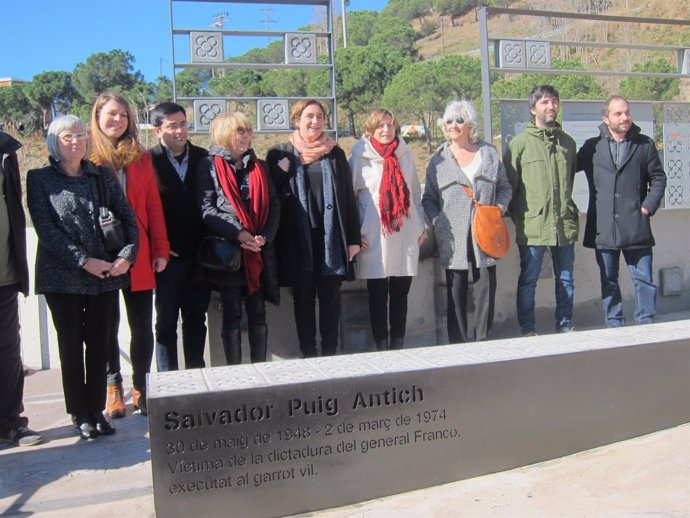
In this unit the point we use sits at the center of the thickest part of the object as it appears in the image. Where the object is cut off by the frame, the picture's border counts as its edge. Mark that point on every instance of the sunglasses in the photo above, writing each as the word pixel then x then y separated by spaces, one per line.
pixel 457 120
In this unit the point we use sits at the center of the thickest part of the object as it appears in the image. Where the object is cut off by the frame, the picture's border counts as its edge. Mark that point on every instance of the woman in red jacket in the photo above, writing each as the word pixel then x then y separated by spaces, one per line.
pixel 114 144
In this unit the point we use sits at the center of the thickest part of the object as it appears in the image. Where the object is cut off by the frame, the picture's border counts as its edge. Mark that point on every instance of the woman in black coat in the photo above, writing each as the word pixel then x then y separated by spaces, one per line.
pixel 238 203
pixel 79 277
pixel 319 233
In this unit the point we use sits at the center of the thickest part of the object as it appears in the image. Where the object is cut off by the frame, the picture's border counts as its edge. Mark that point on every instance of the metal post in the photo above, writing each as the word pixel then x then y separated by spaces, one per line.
pixel 172 51
pixel 486 81
pixel 343 16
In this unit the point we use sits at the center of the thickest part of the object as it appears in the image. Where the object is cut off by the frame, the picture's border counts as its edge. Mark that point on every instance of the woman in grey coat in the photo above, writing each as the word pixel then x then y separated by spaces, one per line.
pixel 78 276
pixel 464 161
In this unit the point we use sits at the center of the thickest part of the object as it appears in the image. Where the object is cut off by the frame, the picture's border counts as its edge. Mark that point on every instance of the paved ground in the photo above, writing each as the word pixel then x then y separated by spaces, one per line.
pixel 648 476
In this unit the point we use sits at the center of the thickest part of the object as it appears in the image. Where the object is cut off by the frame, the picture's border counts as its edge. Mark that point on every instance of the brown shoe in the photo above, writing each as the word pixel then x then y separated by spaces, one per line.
pixel 139 400
pixel 115 405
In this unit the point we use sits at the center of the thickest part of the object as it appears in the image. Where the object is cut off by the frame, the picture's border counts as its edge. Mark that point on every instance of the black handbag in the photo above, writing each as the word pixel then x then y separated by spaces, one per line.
pixel 220 255
pixel 111 228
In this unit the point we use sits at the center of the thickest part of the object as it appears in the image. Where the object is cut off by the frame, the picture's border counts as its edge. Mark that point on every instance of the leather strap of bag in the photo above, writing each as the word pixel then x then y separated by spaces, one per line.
pixel 469 193
pixel 103 198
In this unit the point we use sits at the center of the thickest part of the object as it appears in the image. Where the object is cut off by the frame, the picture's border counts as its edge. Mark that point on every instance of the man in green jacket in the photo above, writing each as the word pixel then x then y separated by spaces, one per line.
pixel 541 164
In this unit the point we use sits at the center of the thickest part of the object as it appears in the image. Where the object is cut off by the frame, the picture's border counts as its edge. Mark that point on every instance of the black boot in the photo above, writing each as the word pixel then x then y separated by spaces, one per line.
pixel 232 345
pixel 382 345
pixel 397 343
pixel 258 337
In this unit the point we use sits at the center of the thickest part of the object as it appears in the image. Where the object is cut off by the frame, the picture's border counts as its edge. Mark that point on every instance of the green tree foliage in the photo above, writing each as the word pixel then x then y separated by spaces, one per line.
pixel 16 110
pixel 236 82
pixel 651 88
pixel 569 86
pixel 362 74
pixel 162 90
pixel 361 27
pixel 408 9
pixel 190 82
pixel 52 92
pixel 396 32
pixel 103 71
pixel 423 89
pixel 455 8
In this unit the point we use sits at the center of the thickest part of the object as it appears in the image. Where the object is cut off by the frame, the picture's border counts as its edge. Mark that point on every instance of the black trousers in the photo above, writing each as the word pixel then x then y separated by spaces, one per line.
pixel 233 297
pixel 484 295
pixel 327 288
pixel 83 324
pixel 11 367
pixel 139 305
pixel 177 294
pixel 388 305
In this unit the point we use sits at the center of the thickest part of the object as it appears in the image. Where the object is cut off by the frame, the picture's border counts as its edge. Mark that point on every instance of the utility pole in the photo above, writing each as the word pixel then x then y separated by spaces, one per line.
pixel 267 19
pixel 220 18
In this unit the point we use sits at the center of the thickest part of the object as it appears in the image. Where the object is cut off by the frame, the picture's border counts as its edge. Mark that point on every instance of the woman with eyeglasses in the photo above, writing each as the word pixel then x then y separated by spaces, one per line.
pixel 115 145
pixel 238 203
pixel 392 224
pixel 78 276
pixel 319 226
pixel 462 169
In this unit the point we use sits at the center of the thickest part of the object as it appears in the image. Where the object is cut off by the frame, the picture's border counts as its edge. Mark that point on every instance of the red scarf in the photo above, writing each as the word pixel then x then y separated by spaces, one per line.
pixel 394 196
pixel 254 219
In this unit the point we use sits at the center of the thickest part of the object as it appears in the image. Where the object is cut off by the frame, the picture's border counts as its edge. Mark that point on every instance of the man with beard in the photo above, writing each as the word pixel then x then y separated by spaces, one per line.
pixel 540 163
pixel 626 185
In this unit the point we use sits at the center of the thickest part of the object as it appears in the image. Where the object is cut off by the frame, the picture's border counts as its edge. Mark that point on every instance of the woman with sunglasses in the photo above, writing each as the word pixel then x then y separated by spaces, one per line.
pixel 78 276
pixel 392 224
pixel 238 203
pixel 462 169
pixel 115 145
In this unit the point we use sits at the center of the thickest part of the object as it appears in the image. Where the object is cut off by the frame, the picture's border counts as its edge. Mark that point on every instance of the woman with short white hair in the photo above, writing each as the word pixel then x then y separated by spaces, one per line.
pixel 76 272
pixel 464 169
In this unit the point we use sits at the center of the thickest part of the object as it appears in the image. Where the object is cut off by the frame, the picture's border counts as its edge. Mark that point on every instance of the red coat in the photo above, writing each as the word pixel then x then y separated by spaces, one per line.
pixel 143 196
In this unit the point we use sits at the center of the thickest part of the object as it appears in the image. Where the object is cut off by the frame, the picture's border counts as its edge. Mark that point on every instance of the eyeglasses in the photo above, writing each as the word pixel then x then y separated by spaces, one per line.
pixel 244 131
pixel 457 120
pixel 70 137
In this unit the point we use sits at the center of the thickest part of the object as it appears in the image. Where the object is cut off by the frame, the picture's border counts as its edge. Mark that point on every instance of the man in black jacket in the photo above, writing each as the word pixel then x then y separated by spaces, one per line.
pixel 14 277
pixel 626 185
pixel 175 160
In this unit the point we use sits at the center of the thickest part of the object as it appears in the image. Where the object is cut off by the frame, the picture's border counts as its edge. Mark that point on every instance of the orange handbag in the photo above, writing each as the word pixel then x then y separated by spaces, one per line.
pixel 489 229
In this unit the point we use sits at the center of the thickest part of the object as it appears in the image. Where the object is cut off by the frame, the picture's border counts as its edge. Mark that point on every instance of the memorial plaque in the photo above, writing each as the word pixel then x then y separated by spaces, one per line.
pixel 206 47
pixel 510 54
pixel 538 54
pixel 272 114
pixel 205 110
pixel 286 437
pixel 676 155
pixel 300 48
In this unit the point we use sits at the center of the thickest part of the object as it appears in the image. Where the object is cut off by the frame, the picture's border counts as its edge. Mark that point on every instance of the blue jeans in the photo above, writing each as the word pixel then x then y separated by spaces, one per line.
pixel 639 263
pixel 531 258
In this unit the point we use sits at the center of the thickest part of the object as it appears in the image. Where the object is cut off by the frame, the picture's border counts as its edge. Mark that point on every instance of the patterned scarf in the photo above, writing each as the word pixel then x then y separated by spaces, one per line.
pixel 394 196
pixel 310 152
pixel 253 219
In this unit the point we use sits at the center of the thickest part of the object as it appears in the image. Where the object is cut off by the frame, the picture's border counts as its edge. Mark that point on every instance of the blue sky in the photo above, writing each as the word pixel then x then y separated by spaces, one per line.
pixel 42 35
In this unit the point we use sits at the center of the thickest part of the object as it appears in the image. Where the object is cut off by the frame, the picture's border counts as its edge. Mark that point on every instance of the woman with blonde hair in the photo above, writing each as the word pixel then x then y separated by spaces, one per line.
pixel 238 203
pixel 319 226
pixel 115 145
pixel 462 170
pixel 392 224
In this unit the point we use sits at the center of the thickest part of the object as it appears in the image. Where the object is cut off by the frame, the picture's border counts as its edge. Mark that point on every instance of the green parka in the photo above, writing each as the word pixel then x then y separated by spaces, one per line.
pixel 541 164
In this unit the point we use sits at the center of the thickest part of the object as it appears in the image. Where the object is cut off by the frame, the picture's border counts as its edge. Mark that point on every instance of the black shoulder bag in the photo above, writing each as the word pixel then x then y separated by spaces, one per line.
pixel 111 227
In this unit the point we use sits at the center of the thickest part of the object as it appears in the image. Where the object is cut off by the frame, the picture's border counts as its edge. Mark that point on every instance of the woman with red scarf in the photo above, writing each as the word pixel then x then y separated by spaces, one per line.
pixel 319 227
pixel 238 203
pixel 392 224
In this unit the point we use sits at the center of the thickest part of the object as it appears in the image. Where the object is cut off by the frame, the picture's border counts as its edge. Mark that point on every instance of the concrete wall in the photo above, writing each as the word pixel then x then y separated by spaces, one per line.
pixel 427 307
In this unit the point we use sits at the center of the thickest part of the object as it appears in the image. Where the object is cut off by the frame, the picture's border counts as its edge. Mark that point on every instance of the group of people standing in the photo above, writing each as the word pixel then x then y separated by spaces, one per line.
pixel 305 218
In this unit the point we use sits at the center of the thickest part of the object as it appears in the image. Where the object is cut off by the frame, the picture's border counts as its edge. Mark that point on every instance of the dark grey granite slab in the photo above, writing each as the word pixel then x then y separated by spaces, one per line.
pixel 286 437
